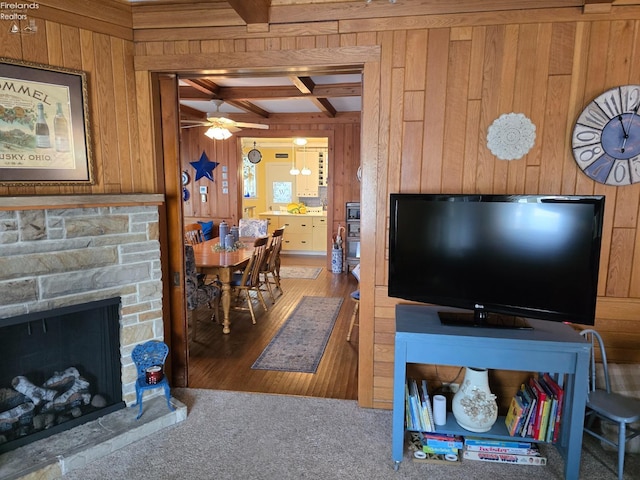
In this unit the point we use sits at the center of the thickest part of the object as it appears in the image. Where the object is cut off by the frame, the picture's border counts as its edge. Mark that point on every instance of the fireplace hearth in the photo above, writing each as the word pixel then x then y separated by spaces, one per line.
pixel 58 369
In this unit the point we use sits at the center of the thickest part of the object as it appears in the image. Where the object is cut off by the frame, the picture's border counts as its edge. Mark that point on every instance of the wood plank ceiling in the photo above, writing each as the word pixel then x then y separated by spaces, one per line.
pixel 258 98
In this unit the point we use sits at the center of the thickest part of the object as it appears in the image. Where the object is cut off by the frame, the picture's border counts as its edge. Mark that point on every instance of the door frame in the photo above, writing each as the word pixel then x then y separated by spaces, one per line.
pixel 249 64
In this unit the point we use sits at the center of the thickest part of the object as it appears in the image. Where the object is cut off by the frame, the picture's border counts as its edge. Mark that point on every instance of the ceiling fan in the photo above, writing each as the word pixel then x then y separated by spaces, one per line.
pixel 220 127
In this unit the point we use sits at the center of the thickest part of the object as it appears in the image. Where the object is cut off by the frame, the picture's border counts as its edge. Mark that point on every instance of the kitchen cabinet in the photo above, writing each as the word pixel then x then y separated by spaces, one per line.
pixel 298 232
pixel 304 233
pixel 319 237
pixel 307 185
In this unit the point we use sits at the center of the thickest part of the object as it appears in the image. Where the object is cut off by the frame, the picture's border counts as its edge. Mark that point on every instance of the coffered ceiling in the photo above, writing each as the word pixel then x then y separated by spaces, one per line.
pixel 327 94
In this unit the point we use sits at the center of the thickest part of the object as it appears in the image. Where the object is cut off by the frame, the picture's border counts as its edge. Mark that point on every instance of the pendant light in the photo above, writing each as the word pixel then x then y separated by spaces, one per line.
pixel 303 142
pixel 294 170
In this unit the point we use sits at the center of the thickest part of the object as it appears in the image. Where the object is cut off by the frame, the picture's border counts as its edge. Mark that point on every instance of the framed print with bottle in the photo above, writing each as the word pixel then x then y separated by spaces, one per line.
pixel 44 125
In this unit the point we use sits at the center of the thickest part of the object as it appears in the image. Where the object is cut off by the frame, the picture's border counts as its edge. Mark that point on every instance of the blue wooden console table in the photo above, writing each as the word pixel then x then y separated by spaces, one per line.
pixel 550 347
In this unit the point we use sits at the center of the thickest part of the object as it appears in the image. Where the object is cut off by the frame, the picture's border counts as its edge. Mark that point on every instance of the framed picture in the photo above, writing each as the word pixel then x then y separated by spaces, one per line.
pixel 44 125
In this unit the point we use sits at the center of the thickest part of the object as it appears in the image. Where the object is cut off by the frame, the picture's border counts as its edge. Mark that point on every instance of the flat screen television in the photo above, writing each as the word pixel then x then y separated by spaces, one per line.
pixel 499 258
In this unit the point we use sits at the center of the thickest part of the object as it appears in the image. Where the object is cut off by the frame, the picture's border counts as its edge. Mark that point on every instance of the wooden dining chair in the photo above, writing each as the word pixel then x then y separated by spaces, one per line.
pixel 193 234
pixel 249 280
pixel 198 293
pixel 271 265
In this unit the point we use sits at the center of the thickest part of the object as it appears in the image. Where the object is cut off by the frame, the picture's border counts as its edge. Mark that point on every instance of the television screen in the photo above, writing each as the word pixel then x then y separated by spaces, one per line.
pixel 504 257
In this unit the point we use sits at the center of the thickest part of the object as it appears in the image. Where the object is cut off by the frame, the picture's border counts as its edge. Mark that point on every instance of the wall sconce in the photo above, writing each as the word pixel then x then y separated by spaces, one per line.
pixel 218 133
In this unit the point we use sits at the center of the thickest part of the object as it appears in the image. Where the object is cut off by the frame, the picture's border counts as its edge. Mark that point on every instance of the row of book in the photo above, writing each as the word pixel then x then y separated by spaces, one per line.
pixel 418 409
pixel 502 451
pixel 536 409
pixel 430 447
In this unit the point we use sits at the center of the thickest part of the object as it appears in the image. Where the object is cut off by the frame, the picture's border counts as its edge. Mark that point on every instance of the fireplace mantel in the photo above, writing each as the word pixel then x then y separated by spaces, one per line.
pixel 47 202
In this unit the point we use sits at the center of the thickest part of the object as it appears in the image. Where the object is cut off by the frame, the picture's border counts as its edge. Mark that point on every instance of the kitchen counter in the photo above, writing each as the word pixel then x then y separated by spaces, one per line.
pixel 287 214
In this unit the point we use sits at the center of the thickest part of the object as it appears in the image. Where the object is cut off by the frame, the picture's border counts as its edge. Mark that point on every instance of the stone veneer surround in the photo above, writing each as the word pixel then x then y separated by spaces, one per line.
pixel 66 250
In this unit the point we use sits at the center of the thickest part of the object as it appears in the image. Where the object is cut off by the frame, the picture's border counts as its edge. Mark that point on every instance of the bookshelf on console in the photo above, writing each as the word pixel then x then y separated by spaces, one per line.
pixel 549 347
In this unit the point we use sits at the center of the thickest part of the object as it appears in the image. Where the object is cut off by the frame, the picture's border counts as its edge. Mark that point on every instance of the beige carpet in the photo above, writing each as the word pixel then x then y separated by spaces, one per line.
pixel 300 272
pixel 229 435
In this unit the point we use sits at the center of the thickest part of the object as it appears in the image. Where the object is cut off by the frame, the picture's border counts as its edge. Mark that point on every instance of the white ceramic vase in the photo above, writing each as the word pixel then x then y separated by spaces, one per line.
pixel 474 406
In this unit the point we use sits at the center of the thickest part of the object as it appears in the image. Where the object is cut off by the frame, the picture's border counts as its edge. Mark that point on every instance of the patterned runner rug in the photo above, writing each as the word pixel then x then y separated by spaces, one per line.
pixel 299 344
pixel 300 272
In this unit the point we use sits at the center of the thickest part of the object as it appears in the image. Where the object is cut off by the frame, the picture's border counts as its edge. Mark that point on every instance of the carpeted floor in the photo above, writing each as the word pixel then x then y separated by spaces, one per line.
pixel 300 272
pixel 299 344
pixel 229 435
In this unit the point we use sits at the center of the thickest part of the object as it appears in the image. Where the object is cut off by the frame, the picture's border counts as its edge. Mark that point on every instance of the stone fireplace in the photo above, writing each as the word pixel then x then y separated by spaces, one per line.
pixel 59 252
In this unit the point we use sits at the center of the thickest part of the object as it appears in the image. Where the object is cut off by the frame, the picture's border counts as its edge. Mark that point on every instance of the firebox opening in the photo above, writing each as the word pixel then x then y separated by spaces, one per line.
pixel 58 369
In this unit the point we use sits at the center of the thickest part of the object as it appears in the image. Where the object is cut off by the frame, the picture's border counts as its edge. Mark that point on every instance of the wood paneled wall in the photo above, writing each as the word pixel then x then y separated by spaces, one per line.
pixel 433 85
pixel 71 36
pixel 441 87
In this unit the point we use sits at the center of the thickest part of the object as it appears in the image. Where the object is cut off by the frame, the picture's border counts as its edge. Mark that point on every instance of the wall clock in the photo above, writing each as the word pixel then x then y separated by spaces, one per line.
pixel 254 154
pixel 606 137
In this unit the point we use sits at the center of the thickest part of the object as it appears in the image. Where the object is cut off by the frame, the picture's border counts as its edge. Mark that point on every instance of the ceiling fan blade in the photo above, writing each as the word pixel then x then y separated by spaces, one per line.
pixel 195 125
pixel 260 126
pixel 198 122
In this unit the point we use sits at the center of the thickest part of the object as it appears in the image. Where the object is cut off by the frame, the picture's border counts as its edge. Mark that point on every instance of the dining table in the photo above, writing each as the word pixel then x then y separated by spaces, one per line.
pixel 210 260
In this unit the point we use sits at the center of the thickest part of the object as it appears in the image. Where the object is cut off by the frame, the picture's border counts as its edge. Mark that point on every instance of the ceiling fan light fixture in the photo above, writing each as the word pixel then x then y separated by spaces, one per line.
pixel 218 133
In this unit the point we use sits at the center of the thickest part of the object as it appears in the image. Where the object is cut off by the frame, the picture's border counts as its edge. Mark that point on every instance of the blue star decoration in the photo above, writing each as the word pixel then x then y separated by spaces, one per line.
pixel 204 167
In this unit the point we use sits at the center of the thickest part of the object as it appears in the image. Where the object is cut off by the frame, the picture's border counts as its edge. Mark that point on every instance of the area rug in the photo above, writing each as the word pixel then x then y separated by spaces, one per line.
pixel 300 272
pixel 299 344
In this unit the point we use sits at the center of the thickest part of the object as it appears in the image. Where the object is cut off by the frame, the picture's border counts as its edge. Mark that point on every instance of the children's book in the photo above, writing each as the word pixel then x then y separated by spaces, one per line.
pixel 442 440
pixel 514 415
pixel 559 392
pixel 541 397
pixel 504 458
pixel 490 442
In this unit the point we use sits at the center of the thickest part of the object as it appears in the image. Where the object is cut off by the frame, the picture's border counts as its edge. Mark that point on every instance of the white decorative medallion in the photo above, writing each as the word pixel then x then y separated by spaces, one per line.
pixel 511 136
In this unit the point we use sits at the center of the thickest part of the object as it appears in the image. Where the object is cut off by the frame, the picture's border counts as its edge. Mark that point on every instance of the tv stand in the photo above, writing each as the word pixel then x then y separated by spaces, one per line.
pixel 549 347
pixel 483 319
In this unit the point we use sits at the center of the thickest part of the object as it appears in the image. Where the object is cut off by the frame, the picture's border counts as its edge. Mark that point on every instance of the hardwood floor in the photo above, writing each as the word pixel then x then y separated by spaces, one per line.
pixel 223 362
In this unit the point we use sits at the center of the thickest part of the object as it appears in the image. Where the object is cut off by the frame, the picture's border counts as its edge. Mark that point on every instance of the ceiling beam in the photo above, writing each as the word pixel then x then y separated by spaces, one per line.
pixel 304 84
pixel 252 11
pixel 202 85
pixel 272 93
pixel 248 107
pixel 307 86
pixel 189 113
pixel 325 106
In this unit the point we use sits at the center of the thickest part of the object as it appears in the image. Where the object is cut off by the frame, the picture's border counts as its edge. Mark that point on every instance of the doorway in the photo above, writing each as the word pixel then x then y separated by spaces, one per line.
pixel 368 55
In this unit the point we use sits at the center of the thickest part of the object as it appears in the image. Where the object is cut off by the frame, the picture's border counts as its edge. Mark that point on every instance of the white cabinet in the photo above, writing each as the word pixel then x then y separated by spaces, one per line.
pixel 307 185
pixel 301 233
